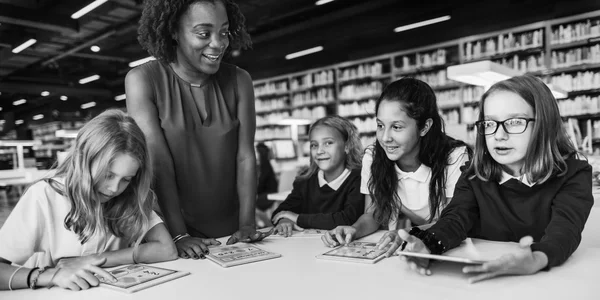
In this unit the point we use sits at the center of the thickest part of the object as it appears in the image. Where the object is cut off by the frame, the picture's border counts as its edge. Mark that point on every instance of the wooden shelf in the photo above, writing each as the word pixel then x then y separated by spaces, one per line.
pixel 575 68
pixel 401 72
pixel 360 99
pixel 266 112
pixel 330 102
pixel 273 95
pixel 579 43
pixel 584 92
pixel 270 125
pixel 363 115
pixel 366 78
pixel 447 86
pixel 583 116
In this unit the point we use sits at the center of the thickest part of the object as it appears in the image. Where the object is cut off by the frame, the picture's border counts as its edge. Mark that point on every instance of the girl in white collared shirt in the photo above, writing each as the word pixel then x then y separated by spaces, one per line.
pixel 411 170
pixel 93 212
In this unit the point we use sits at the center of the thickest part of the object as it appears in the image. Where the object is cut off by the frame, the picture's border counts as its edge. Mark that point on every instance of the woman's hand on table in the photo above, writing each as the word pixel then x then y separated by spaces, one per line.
pixel 193 247
pixel 340 235
pixel 247 234
pixel 286 226
pixel 414 244
pixel 78 273
pixel 392 239
pixel 524 262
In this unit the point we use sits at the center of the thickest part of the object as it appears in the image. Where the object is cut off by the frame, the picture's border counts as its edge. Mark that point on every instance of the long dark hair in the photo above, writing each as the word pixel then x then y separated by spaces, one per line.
pixel 419 102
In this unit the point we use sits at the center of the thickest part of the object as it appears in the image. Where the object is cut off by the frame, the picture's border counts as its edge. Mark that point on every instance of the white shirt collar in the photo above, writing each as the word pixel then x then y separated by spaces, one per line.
pixel 506 177
pixel 334 184
pixel 420 175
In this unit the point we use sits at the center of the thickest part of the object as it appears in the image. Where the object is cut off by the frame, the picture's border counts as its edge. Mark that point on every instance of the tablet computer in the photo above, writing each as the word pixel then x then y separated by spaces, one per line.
pixel 472 251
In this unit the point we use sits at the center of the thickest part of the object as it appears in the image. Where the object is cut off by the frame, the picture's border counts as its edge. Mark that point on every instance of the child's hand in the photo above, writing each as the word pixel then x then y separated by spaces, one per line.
pixel 390 238
pixel 287 215
pixel 286 226
pixel 193 247
pixel 340 235
pixel 414 244
pixel 524 262
pixel 247 234
pixel 75 275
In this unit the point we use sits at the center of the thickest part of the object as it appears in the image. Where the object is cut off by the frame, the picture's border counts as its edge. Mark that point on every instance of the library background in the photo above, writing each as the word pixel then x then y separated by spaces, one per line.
pixel 70 69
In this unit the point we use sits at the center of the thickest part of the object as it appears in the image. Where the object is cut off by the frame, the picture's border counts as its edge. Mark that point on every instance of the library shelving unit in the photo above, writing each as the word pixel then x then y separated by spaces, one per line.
pixel 564 52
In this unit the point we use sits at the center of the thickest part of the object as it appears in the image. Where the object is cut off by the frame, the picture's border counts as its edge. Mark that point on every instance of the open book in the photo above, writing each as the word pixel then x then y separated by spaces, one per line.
pixel 472 251
pixel 361 252
pixel 238 254
pixel 303 234
pixel 133 278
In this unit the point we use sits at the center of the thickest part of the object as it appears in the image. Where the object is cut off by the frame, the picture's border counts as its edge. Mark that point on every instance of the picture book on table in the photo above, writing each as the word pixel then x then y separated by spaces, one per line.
pixel 238 254
pixel 133 278
pixel 472 251
pixel 303 234
pixel 361 252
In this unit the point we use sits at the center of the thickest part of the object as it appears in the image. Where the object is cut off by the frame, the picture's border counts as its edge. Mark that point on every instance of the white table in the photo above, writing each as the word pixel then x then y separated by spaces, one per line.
pixel 299 275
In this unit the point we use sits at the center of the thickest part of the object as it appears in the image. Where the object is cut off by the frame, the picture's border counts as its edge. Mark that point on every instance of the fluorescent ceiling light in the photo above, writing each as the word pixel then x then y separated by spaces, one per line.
pixel 0 108
pixel 24 46
pixel 38 117
pixel 321 2
pixel 482 73
pixel 19 122
pixel 45 93
pixel 120 97
pixel 141 61
pixel 294 121
pixel 64 98
pixel 87 9
pixel 66 133
pixel 19 102
pixel 421 24
pixel 2 121
pixel 89 79
pixel 304 52
pixel 95 48
pixel 88 105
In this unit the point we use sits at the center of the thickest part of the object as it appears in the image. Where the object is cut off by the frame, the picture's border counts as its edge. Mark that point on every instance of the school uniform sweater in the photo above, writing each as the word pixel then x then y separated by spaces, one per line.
pixel 553 213
pixel 323 207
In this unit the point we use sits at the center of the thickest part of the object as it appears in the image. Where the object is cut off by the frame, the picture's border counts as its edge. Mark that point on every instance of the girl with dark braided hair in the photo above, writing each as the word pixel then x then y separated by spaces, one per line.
pixel 198 116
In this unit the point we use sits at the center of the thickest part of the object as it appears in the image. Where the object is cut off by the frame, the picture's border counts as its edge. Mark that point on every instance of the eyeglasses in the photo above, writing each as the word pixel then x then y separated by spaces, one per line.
pixel 512 126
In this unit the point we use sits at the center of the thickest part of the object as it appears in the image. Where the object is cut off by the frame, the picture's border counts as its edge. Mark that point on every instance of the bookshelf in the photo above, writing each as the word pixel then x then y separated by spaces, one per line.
pixel 563 51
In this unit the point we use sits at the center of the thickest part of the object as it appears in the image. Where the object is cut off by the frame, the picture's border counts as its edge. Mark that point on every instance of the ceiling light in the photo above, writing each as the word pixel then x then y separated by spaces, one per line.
pixel 421 24
pixel 304 52
pixel 64 98
pixel 482 73
pixel 89 79
pixel 38 117
pixel 19 122
pixel 141 61
pixel 19 102
pixel 120 97
pixel 321 2
pixel 45 93
pixel 0 108
pixel 2 122
pixel 87 9
pixel 95 48
pixel 24 46
pixel 88 105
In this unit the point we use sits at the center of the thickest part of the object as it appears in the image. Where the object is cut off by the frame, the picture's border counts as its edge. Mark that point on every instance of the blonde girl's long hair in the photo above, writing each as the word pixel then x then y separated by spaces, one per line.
pixel 97 144
pixel 351 140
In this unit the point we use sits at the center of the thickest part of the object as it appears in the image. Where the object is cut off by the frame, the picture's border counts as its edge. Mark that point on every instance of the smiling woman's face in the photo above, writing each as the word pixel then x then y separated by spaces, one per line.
pixel 202 36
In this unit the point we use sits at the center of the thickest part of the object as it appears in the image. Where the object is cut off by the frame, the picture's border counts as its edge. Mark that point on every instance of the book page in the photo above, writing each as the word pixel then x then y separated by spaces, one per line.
pixel 134 275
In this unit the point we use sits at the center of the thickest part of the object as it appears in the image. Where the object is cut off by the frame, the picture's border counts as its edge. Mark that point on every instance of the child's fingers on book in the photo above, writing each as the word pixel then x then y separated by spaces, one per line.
pixel 89 278
pixel 81 283
pixel 482 277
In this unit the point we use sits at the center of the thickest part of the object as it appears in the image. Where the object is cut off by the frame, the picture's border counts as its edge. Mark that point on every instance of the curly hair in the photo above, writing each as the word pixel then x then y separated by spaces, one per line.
pixel 419 102
pixel 351 139
pixel 160 19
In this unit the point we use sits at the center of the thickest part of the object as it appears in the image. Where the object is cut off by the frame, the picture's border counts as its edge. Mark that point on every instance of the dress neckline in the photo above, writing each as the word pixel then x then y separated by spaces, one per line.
pixel 195 85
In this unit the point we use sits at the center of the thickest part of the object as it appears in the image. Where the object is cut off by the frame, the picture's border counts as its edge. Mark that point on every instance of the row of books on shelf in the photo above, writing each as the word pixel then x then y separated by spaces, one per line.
pixel 423 60
pixel 504 43
pixel 324 77
pixel 568 33
pixel 581 81
pixel 575 56
pixel 361 71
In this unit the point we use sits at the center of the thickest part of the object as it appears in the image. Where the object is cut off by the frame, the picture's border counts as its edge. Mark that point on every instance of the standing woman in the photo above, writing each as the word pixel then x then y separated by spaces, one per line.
pixel 199 118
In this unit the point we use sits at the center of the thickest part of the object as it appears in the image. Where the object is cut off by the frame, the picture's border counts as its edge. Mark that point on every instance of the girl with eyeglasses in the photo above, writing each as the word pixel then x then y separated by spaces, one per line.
pixel 526 184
